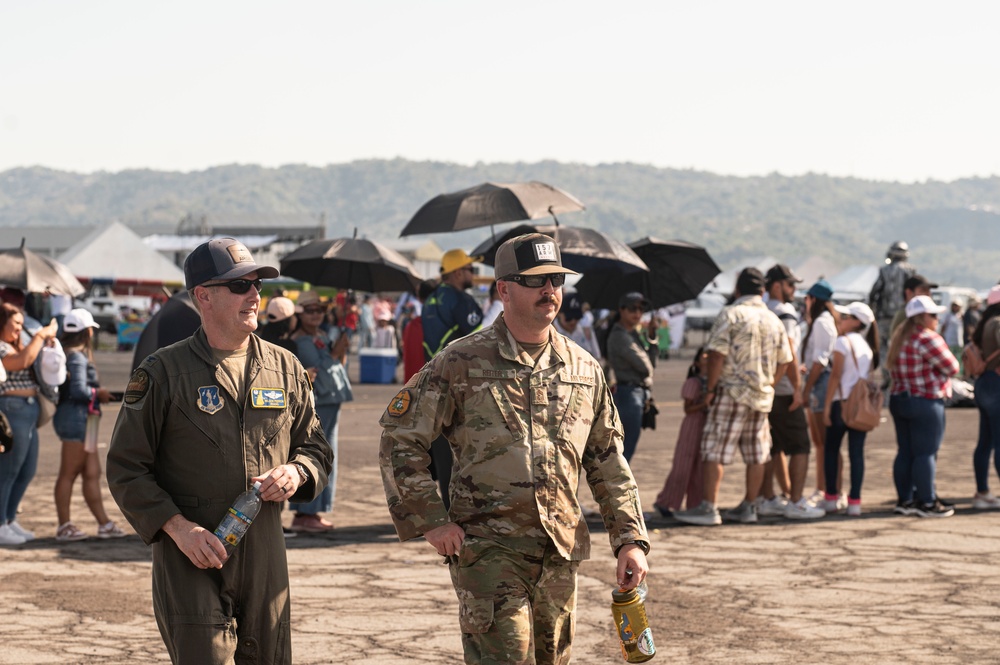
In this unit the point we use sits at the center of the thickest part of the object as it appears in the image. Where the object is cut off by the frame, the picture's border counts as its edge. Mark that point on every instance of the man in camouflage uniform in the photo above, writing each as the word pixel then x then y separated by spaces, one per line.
pixel 886 297
pixel 525 410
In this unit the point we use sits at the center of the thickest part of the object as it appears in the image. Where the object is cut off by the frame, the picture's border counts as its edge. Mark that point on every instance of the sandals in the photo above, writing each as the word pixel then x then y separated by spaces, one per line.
pixel 110 530
pixel 68 533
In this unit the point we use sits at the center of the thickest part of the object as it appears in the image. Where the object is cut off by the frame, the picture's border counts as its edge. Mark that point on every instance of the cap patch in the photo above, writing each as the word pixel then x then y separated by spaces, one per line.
pixel 239 253
pixel 545 251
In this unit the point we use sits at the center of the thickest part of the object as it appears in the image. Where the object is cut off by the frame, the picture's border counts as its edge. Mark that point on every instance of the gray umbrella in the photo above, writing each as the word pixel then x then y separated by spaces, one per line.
pixel 34 273
pixel 490 203
pixel 583 250
pixel 351 263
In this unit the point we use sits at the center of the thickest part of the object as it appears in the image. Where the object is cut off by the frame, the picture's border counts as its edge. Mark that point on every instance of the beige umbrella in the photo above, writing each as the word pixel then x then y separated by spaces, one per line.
pixel 35 273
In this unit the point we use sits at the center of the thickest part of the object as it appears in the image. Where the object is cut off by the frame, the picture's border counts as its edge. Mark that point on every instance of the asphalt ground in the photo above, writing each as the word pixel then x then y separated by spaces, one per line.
pixel 876 589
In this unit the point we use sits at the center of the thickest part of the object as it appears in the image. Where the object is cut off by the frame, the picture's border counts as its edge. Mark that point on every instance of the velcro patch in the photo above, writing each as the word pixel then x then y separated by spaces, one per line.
pixel 267 398
pixel 137 387
pixel 400 404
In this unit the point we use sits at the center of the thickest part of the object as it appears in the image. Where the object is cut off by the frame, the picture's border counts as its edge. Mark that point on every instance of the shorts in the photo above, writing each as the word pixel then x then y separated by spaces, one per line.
pixel 70 421
pixel 731 425
pixel 789 429
pixel 817 398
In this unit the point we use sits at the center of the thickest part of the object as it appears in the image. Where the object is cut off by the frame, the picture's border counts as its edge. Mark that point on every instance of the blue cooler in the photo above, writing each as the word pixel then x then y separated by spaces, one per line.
pixel 378 365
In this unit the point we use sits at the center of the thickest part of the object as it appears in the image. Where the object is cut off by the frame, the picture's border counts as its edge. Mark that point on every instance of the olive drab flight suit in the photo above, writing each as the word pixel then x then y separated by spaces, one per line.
pixel 522 432
pixel 183 444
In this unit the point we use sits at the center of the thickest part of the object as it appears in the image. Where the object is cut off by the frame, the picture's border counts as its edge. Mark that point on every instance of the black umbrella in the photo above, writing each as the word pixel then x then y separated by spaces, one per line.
pixel 583 250
pixel 34 273
pixel 490 203
pixel 176 320
pixel 351 263
pixel 678 271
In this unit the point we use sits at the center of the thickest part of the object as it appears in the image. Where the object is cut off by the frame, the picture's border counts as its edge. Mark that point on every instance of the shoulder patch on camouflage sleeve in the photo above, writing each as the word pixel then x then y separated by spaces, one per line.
pixel 400 404
pixel 137 387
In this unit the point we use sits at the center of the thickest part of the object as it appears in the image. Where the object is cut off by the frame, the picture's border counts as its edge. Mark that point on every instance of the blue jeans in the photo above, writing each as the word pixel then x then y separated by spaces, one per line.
pixel 988 403
pixel 18 466
pixel 630 401
pixel 855 450
pixel 919 431
pixel 328 414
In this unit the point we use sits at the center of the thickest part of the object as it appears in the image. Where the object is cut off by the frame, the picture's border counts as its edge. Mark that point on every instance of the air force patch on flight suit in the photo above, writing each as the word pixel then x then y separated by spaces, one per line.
pixel 209 399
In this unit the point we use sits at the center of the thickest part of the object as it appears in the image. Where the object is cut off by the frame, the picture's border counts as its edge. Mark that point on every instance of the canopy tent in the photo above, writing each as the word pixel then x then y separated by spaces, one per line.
pixel 116 253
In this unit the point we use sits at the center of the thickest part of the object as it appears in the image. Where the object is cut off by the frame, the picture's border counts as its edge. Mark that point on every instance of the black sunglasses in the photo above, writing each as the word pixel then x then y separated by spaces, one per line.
pixel 240 286
pixel 538 281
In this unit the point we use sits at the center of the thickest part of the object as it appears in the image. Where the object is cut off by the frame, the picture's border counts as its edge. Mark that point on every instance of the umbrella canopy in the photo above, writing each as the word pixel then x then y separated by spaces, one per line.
pixel 678 271
pixel 583 250
pixel 490 203
pixel 176 320
pixel 34 273
pixel 351 263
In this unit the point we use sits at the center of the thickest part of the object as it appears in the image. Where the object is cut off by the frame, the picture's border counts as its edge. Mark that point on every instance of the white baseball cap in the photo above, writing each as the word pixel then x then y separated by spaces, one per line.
pixel 859 311
pixel 922 305
pixel 78 319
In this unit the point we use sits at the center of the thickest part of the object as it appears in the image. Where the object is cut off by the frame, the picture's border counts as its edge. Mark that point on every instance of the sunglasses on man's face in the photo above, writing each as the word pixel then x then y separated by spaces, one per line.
pixel 314 310
pixel 538 281
pixel 240 286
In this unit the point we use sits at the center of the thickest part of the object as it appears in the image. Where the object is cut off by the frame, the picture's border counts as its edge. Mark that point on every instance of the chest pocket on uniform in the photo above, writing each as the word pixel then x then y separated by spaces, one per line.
pixel 507 412
pixel 576 402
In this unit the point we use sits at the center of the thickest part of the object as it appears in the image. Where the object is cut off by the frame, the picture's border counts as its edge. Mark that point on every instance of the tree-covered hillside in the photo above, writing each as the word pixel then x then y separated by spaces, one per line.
pixel 948 225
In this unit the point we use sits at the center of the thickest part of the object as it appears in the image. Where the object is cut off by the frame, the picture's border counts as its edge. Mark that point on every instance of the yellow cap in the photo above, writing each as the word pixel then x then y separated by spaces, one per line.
pixel 454 259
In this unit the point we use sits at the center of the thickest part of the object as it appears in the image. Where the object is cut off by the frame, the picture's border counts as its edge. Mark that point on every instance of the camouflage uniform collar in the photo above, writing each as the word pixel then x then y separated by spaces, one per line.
pixel 509 349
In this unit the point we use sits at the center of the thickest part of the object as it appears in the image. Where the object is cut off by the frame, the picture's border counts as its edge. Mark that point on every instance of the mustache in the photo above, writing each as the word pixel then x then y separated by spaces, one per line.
pixel 547 300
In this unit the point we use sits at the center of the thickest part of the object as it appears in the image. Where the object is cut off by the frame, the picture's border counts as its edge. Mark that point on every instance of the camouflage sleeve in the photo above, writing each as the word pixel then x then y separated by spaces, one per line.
pixel 411 421
pixel 609 476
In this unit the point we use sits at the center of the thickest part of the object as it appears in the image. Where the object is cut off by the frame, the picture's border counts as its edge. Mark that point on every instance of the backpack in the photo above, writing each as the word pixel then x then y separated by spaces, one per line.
pixel 862 410
pixel 973 361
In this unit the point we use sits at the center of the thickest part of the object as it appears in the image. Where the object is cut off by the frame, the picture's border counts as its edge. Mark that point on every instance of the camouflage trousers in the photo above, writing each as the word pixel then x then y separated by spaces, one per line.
pixel 514 607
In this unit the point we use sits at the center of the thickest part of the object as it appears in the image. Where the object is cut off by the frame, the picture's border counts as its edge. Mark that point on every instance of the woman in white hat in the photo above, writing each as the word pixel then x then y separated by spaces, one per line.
pixel 855 355
pixel 80 399
pixel 921 366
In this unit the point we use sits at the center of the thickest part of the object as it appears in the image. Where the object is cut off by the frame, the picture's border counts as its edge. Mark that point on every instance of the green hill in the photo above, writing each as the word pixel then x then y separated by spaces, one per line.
pixel 949 225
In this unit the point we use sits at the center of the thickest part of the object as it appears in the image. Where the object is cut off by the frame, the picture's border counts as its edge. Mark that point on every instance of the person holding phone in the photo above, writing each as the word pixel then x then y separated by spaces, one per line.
pixel 75 422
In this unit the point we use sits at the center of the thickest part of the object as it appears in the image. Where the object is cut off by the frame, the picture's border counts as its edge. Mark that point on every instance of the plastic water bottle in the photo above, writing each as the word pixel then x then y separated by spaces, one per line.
pixel 241 514
pixel 629 611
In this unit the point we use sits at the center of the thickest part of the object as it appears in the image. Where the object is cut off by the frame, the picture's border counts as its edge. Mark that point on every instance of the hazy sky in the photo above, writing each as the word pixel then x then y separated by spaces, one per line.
pixel 883 90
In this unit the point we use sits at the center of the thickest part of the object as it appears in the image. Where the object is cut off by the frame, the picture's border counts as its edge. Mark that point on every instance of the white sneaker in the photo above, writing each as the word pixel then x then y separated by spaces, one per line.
pixel 10 537
pixel 21 531
pixel 817 498
pixel 774 506
pixel 802 510
pixel 985 501
pixel 854 510
pixel 841 502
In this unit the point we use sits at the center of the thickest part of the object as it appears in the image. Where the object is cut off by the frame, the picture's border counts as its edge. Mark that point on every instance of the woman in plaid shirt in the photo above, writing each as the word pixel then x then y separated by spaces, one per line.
pixel 921 366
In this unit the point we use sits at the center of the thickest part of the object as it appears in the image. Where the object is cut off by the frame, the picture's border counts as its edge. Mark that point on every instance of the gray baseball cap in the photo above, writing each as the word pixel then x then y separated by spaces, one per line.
pixel 222 259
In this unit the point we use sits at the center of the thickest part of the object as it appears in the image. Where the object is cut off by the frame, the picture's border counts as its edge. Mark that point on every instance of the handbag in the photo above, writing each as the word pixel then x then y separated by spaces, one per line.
pixel 649 413
pixel 862 410
pixel 46 409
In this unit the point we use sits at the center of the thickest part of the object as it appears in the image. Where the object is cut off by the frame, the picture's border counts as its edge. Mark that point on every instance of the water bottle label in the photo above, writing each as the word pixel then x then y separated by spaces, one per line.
pixel 646 646
pixel 233 527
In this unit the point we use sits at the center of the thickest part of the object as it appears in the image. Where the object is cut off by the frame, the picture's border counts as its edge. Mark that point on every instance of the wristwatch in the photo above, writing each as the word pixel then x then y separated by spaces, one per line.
pixel 303 474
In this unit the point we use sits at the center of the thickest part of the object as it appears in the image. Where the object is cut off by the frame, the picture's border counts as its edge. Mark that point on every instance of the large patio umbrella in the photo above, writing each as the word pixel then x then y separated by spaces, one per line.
pixel 488 204
pixel 351 263
pixel 35 273
pixel 678 271
pixel 583 250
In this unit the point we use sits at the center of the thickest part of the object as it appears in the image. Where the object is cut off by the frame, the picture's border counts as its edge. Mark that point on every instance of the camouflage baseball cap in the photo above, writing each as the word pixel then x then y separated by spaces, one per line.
pixel 530 254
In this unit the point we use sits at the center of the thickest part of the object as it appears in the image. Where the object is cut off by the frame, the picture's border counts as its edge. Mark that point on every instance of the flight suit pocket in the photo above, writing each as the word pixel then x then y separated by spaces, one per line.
pixel 475 615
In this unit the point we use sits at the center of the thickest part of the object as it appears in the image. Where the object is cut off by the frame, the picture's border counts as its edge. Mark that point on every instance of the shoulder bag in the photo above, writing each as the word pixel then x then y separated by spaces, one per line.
pixel 862 410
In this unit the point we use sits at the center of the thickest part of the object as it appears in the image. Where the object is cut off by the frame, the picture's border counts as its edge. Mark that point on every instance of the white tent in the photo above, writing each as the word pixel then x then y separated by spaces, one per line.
pixel 117 252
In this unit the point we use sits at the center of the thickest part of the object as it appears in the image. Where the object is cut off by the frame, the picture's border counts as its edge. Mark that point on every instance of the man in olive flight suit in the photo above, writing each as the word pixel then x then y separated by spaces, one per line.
pixel 202 420
pixel 525 410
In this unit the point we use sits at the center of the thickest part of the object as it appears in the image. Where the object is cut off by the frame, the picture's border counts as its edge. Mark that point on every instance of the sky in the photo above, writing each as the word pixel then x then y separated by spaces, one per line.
pixel 882 90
